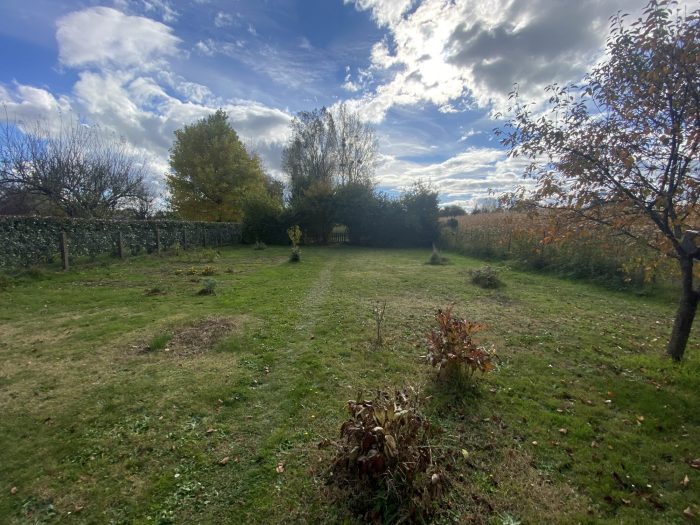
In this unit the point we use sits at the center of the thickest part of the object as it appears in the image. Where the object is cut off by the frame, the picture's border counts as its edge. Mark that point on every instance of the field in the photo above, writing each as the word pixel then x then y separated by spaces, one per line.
pixel 127 397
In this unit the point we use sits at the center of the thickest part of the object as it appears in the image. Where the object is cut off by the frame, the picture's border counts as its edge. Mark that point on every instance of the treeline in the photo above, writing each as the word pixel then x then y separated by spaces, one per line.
pixel 330 162
pixel 72 170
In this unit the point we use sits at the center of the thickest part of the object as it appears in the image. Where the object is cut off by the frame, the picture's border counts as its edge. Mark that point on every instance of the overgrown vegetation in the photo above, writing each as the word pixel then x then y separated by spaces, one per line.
pixel 208 287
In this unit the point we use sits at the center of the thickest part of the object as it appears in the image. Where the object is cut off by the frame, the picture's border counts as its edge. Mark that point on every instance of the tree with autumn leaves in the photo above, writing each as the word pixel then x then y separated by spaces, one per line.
pixel 621 148
pixel 212 176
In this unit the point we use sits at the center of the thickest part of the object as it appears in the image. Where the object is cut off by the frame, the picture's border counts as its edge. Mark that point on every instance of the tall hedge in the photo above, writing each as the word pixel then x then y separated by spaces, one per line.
pixel 29 240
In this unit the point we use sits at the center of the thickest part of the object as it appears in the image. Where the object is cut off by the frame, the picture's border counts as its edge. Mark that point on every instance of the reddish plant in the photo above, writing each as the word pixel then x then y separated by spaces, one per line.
pixel 452 346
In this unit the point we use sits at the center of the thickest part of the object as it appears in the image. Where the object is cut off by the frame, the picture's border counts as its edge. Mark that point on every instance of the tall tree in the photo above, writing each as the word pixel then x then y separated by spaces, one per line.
pixel 69 168
pixel 212 174
pixel 356 148
pixel 621 149
pixel 327 150
pixel 310 156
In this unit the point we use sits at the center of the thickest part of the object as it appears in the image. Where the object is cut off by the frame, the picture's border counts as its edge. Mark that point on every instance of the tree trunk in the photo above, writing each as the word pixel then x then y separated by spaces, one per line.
pixel 685 314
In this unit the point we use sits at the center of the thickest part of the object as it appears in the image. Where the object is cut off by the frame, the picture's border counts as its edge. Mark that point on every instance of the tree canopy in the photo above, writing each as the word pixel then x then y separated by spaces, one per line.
pixel 68 168
pixel 621 148
pixel 212 174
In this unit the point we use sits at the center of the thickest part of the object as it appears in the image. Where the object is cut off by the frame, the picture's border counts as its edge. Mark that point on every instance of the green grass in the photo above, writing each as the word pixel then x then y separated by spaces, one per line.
pixel 583 420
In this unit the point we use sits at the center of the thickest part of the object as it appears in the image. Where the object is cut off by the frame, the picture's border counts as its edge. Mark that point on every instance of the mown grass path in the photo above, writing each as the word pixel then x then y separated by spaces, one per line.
pixel 583 421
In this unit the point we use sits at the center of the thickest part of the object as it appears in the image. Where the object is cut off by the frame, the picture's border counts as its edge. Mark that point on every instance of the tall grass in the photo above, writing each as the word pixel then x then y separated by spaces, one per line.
pixel 546 242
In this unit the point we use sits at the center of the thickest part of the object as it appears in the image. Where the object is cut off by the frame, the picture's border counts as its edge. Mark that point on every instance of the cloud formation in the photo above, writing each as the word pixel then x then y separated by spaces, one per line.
pixel 124 84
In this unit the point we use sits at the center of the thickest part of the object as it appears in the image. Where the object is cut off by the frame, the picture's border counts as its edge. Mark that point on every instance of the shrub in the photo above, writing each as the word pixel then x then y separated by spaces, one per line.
pixel 259 245
pixel 436 257
pixel 208 286
pixel 452 348
pixel 295 256
pixel 384 459
pixel 208 270
pixel 486 277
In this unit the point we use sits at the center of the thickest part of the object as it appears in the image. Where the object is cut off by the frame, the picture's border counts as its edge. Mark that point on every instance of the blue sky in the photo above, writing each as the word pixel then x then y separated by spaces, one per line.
pixel 429 75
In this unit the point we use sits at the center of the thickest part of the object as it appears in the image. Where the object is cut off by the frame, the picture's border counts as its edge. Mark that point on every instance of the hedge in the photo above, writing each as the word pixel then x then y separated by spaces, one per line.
pixel 25 241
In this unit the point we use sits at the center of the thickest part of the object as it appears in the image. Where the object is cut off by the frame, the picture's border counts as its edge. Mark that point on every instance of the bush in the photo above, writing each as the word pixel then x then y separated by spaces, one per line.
pixel 486 277
pixel 384 460
pixel 452 348
pixel 208 286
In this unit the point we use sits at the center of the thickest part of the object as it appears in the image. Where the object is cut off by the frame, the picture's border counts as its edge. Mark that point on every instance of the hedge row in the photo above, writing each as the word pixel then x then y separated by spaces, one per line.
pixel 30 240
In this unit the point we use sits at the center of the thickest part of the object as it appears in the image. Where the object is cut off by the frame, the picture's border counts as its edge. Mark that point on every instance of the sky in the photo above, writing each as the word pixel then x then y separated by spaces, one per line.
pixel 429 75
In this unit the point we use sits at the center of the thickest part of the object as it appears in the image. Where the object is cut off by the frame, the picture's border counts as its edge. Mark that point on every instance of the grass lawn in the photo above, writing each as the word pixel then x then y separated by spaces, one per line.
pixel 123 391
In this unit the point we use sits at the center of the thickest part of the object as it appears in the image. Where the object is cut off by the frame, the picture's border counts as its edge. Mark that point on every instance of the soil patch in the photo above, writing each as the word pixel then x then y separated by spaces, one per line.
pixel 198 337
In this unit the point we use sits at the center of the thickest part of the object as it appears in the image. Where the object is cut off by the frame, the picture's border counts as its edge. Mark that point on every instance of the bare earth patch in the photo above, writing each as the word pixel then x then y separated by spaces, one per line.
pixel 198 337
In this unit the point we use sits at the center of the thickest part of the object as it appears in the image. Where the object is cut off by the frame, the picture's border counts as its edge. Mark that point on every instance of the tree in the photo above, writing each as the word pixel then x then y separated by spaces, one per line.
pixel 74 170
pixel 452 210
pixel 621 149
pixel 356 145
pixel 212 174
pixel 328 150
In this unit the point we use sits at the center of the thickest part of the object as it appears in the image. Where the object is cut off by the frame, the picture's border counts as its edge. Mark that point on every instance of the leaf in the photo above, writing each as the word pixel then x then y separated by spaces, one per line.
pixel 685 481
pixel 688 513
pixel 211 430
pixel 280 467
pixel 225 460
pixel 465 453
pixel 563 431
pixel 695 463
pixel 13 490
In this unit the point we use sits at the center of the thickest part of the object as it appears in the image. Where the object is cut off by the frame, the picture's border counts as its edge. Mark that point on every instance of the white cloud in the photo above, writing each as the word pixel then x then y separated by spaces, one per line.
pixel 223 19
pixel 465 53
pixel 120 89
pixel 385 12
pixel 105 37
pixel 467 178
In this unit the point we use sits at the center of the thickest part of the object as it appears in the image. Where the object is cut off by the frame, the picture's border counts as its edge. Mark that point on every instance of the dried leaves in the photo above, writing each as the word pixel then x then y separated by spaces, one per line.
pixel 452 345
pixel 384 452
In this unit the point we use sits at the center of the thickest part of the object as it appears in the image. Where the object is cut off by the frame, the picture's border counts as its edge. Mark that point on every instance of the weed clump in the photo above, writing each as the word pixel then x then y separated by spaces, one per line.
pixel 4 282
pixel 452 348
pixel 384 463
pixel 156 290
pixel 159 342
pixel 436 257
pixel 486 277
pixel 208 287
pixel 208 270
pixel 259 245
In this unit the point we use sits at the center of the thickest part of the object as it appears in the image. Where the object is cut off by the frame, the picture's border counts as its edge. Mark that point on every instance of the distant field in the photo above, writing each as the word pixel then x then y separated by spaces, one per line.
pixel 122 390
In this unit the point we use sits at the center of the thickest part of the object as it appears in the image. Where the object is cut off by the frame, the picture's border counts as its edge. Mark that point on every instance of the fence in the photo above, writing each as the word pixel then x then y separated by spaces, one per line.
pixel 30 240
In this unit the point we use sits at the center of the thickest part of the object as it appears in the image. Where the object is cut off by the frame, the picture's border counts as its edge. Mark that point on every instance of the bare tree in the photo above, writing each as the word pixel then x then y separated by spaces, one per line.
pixel 356 147
pixel 78 169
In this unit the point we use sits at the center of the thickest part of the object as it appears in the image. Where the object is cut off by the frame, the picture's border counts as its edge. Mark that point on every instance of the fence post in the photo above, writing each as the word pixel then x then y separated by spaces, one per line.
pixel 63 242
pixel 158 246
pixel 120 245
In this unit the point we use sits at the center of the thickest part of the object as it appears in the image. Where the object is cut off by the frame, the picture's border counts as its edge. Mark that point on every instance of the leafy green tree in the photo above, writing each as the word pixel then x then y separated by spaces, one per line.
pixel 622 148
pixel 212 174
